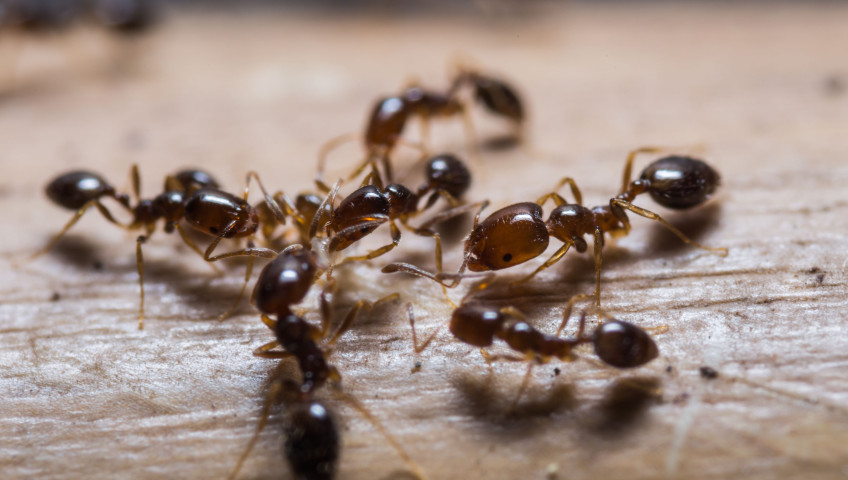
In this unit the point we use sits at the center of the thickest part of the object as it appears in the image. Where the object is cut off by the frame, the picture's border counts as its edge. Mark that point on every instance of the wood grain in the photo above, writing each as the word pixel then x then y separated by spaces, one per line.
pixel 758 91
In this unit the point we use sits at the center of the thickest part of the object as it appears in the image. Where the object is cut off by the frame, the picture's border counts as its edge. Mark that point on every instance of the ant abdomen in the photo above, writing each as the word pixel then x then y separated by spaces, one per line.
pixel 188 181
pixel 312 441
pixel 73 190
pixel 508 237
pixel 680 182
pixel 476 324
pixel 623 345
pixel 499 98
pixel 285 280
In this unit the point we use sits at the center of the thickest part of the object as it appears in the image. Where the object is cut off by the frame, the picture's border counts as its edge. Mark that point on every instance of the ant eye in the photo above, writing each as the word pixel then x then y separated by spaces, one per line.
pixel 507 257
pixel 213 230
pixel 364 230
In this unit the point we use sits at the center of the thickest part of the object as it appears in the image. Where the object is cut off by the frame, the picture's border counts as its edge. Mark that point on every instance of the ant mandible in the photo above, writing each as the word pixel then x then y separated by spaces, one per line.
pixel 518 233
pixel 190 195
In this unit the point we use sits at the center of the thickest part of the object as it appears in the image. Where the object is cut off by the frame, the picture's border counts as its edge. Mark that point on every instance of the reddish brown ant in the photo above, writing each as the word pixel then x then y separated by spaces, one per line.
pixel 189 195
pixel 372 205
pixel 312 438
pixel 478 323
pixel 518 233
pixel 389 116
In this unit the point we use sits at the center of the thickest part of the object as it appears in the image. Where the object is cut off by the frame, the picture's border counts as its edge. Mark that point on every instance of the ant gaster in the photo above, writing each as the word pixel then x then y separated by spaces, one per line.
pixel 518 233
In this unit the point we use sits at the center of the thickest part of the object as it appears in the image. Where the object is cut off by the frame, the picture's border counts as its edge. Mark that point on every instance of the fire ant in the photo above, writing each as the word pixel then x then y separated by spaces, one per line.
pixel 312 438
pixel 388 118
pixel 517 233
pixel 190 195
pixel 478 323
pixel 372 205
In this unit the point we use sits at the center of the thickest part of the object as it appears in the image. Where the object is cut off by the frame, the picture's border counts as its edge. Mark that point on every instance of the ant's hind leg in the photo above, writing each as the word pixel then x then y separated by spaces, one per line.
pixel 93 203
pixel 248 271
pixel 554 259
pixel 190 243
pixel 374 253
pixel 139 260
pixel 653 216
pixel 273 396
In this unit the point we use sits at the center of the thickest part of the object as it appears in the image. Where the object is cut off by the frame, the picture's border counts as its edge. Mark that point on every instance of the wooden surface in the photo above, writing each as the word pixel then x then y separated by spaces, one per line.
pixel 759 91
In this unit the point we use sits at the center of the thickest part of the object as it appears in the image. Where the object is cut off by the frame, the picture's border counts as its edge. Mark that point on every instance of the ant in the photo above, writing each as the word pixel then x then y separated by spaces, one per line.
pixel 372 205
pixel 189 195
pixel 478 323
pixel 389 115
pixel 312 438
pixel 517 233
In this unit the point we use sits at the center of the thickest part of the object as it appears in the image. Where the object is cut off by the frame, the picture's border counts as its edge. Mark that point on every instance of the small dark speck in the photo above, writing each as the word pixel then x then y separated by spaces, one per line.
pixel 416 367
pixel 813 270
pixel 55 297
pixel 708 372
pixel 97 265
pixel 820 278
pixel 668 369
pixel 557 371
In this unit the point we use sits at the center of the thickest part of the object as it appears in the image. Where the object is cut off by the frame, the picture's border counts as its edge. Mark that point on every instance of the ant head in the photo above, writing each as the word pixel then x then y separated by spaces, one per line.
pixel 510 236
pixel 476 323
pixel 312 440
pixel 680 182
pixel 623 345
pixel 449 173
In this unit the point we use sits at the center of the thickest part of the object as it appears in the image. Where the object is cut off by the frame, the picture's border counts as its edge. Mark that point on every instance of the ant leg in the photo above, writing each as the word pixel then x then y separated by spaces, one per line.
pixel 272 202
pixel 362 410
pixel 471 142
pixel 354 311
pixel 554 258
pixel 266 351
pixel 521 389
pixel 139 261
pixel 249 251
pixel 92 203
pixel 567 313
pixel 628 165
pixel 325 211
pixel 247 273
pixel 329 146
pixel 415 346
pixel 374 253
pixel 188 241
pixel 454 212
pixel 557 198
pixel 599 260
pixel 653 216
pixel 271 398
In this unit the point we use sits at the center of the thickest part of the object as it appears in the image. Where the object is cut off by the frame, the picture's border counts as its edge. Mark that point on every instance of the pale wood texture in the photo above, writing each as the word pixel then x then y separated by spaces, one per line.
pixel 759 91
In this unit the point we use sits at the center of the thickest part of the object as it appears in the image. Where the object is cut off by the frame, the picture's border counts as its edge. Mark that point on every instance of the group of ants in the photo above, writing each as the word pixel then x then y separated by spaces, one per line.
pixel 325 224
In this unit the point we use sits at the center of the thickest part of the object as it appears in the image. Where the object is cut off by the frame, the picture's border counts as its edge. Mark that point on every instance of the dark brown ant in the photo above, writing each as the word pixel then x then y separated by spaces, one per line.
pixel 372 205
pixel 477 323
pixel 518 233
pixel 312 438
pixel 190 195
